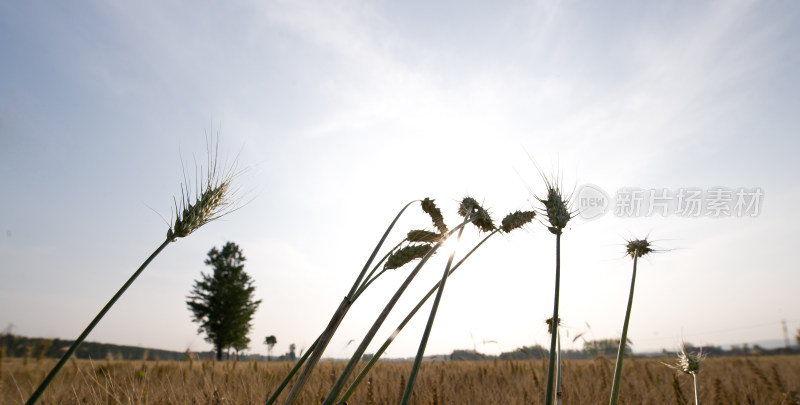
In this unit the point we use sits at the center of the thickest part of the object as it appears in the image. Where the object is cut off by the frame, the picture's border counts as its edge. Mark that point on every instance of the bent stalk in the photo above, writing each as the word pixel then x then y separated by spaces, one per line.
pixel 428 327
pixel 337 387
pixel 340 313
pixel 402 324
pixel 291 374
pixel 49 378
pixel 213 198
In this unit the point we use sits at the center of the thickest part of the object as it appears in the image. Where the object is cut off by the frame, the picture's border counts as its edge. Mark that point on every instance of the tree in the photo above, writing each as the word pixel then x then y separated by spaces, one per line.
pixel 241 344
pixel 291 356
pixel 605 347
pixel 222 302
pixel 270 341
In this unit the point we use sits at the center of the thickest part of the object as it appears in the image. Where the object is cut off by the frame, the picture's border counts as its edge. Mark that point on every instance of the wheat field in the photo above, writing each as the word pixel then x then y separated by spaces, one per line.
pixel 729 380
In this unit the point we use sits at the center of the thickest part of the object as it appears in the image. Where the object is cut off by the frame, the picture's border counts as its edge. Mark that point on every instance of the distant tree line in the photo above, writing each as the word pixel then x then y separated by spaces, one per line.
pixel 609 347
pixel 21 346
pixel 33 347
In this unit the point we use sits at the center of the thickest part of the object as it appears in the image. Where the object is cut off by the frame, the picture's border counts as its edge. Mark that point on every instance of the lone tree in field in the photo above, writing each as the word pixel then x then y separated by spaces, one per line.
pixel 270 341
pixel 222 302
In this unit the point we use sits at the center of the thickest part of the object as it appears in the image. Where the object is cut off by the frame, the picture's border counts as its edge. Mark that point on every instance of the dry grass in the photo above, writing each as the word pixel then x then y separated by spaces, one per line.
pixel 753 380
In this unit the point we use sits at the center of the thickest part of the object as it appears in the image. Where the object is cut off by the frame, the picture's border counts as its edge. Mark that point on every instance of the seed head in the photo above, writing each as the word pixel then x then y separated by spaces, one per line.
pixel 214 201
pixel 481 218
pixel 555 205
pixel 436 215
pixel 638 247
pixel 549 322
pixel 418 235
pixel 688 363
pixel 516 220
pixel 405 255
pixel 556 208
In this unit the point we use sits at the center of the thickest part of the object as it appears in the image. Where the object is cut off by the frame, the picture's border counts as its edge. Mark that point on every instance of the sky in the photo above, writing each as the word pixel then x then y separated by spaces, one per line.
pixel 337 114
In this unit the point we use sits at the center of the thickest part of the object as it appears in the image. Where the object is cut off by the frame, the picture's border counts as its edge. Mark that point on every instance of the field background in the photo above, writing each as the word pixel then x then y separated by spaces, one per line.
pixel 730 380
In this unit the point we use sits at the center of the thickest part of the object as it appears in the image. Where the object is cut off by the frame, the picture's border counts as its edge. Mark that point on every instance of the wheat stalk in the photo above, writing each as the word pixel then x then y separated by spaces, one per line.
pixel 471 211
pixel 420 247
pixel 511 222
pixel 214 201
pixel 689 363
pixel 555 207
pixel 214 197
pixel 635 248
pixel 334 392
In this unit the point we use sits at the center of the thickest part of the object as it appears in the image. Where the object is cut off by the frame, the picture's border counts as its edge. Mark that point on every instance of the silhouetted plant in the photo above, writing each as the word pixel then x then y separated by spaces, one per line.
pixel 635 248
pixel 555 207
pixel 471 211
pixel 396 257
pixel 511 222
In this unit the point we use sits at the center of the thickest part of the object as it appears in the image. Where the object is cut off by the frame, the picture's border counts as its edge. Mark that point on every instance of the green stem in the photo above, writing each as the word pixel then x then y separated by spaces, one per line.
pixel 402 324
pixel 696 395
pixel 39 391
pixel 425 335
pixel 329 331
pixel 322 342
pixel 623 340
pixel 558 371
pixel 375 252
pixel 337 387
pixel 554 332
pixel 369 279
pixel 291 374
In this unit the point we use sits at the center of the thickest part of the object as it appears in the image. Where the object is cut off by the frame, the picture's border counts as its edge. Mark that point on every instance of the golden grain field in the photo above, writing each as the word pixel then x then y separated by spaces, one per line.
pixel 730 380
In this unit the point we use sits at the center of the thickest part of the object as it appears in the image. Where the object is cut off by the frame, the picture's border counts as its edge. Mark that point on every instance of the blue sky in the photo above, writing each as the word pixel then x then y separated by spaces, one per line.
pixel 340 113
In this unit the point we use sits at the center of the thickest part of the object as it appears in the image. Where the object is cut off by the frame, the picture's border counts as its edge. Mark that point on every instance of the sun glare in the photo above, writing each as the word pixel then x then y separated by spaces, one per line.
pixel 450 244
